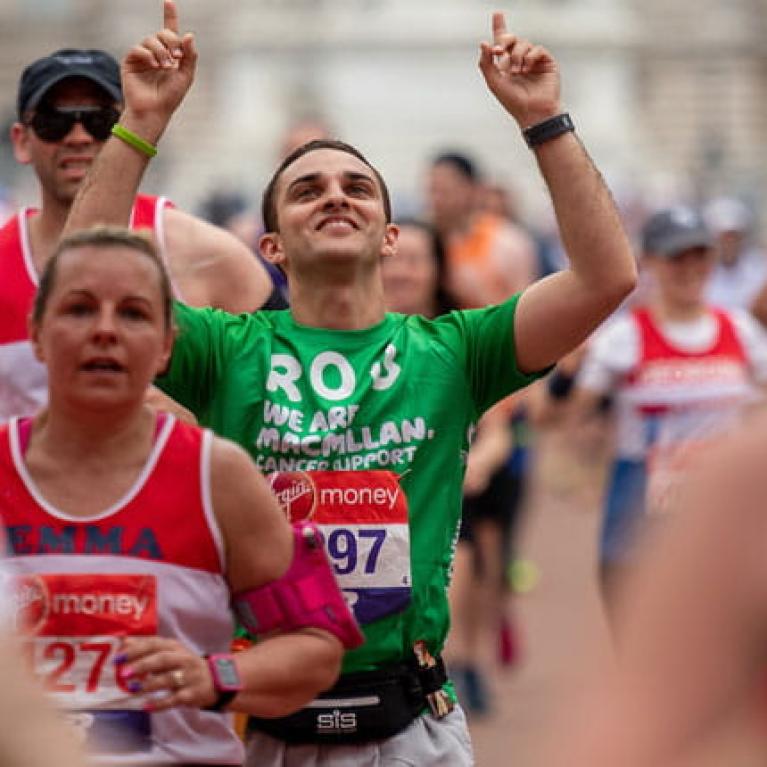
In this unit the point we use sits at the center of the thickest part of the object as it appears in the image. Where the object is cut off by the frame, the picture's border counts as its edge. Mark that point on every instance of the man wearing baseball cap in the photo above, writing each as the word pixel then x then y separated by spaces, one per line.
pixel 67 104
pixel 679 371
pixel 40 76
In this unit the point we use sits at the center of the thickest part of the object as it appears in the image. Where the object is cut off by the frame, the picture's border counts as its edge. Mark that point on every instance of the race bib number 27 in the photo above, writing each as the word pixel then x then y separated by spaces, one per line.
pixel 75 623
pixel 363 517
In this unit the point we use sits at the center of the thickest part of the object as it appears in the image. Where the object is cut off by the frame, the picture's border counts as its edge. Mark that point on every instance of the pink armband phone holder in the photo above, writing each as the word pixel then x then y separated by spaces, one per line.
pixel 306 596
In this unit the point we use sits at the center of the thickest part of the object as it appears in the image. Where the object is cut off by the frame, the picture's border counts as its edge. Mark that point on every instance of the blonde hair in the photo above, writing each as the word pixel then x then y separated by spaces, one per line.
pixel 104 237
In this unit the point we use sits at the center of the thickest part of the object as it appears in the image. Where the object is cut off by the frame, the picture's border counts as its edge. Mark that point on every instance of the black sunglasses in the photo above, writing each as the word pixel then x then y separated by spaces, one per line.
pixel 52 124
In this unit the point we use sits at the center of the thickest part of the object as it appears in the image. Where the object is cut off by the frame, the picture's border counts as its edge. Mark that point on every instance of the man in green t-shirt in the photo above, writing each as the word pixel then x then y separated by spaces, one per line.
pixel 364 418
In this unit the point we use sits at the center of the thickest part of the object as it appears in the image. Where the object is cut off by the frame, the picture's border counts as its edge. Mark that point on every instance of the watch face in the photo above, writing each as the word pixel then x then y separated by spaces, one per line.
pixel 226 674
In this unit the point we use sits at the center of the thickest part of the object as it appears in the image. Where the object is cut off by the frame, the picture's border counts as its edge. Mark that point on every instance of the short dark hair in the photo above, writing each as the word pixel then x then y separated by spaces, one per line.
pixel 460 162
pixel 108 237
pixel 268 203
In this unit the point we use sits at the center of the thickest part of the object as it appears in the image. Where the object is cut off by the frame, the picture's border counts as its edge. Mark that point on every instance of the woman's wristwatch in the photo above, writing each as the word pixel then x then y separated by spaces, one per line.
pixel 226 679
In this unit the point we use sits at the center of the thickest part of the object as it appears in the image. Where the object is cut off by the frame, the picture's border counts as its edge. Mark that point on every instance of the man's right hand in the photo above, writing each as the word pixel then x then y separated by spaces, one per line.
pixel 522 76
pixel 156 75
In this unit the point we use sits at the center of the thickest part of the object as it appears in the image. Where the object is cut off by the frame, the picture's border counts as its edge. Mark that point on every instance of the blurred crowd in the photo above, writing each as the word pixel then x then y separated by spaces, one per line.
pixel 677 369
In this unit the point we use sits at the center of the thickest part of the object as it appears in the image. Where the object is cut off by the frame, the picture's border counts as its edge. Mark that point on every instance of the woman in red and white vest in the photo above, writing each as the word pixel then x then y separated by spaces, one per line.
pixel 129 531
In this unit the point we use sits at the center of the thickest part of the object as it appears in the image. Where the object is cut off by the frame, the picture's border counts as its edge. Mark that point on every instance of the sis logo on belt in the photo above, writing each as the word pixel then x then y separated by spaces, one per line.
pixel 363 516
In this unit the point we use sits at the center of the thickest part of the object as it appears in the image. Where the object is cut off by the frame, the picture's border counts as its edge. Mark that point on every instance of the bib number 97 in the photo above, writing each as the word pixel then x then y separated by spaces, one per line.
pixel 353 549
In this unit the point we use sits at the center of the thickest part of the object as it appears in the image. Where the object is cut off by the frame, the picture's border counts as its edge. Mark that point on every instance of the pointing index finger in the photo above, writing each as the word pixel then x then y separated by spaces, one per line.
pixel 170 15
pixel 499 26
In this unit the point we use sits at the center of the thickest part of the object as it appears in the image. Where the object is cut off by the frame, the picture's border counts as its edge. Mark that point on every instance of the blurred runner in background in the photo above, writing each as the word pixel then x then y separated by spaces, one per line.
pixel 488 259
pixel 680 372
pixel 740 270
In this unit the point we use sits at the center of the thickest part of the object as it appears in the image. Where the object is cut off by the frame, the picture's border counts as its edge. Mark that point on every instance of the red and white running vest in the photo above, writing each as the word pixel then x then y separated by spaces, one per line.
pixel 23 379
pixel 667 378
pixel 151 564
pixel 684 398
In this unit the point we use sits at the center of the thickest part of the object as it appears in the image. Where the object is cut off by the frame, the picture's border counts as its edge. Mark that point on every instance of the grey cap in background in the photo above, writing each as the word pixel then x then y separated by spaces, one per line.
pixel 674 230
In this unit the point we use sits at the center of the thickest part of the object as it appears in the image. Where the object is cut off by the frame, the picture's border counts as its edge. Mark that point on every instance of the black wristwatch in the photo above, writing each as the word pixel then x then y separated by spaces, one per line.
pixel 226 679
pixel 549 129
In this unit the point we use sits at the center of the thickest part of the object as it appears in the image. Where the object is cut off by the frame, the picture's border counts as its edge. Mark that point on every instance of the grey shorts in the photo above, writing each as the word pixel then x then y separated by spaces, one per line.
pixel 427 742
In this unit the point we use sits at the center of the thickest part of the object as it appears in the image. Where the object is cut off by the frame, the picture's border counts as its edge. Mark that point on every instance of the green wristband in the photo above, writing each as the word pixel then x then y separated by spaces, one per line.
pixel 133 140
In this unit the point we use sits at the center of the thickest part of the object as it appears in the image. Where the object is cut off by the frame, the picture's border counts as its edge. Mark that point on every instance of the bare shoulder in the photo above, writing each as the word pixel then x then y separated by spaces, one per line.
pixel 234 470
pixel 256 532
pixel 228 456
pixel 215 267
pixel 239 491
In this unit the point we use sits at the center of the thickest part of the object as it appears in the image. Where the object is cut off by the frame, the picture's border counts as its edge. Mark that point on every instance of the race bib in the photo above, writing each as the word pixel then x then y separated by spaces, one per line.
pixel 363 517
pixel 74 624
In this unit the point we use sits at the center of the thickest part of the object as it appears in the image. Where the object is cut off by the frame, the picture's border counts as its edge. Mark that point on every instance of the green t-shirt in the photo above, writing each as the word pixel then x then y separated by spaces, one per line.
pixel 403 396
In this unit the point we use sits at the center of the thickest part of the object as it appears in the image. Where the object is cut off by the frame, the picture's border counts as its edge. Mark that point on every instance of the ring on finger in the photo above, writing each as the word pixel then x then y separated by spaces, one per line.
pixel 177 678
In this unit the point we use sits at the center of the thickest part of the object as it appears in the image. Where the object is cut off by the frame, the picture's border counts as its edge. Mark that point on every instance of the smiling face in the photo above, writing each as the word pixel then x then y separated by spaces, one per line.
pixel 61 165
pixel 103 332
pixel 330 210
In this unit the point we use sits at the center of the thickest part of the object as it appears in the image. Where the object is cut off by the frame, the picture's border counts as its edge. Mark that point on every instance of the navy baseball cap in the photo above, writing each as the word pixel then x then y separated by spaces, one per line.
pixel 674 230
pixel 40 76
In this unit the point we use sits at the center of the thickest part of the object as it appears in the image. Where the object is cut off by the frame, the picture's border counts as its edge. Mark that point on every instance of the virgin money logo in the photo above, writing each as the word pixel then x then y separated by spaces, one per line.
pixel 31 603
pixel 295 492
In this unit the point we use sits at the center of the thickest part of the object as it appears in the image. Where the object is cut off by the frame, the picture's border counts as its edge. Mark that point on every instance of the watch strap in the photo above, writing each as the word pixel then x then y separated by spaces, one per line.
pixel 225 696
pixel 549 129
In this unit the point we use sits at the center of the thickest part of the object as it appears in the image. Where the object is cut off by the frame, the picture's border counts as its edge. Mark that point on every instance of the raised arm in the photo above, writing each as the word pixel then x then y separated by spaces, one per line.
pixel 156 75
pixel 227 273
pixel 558 312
